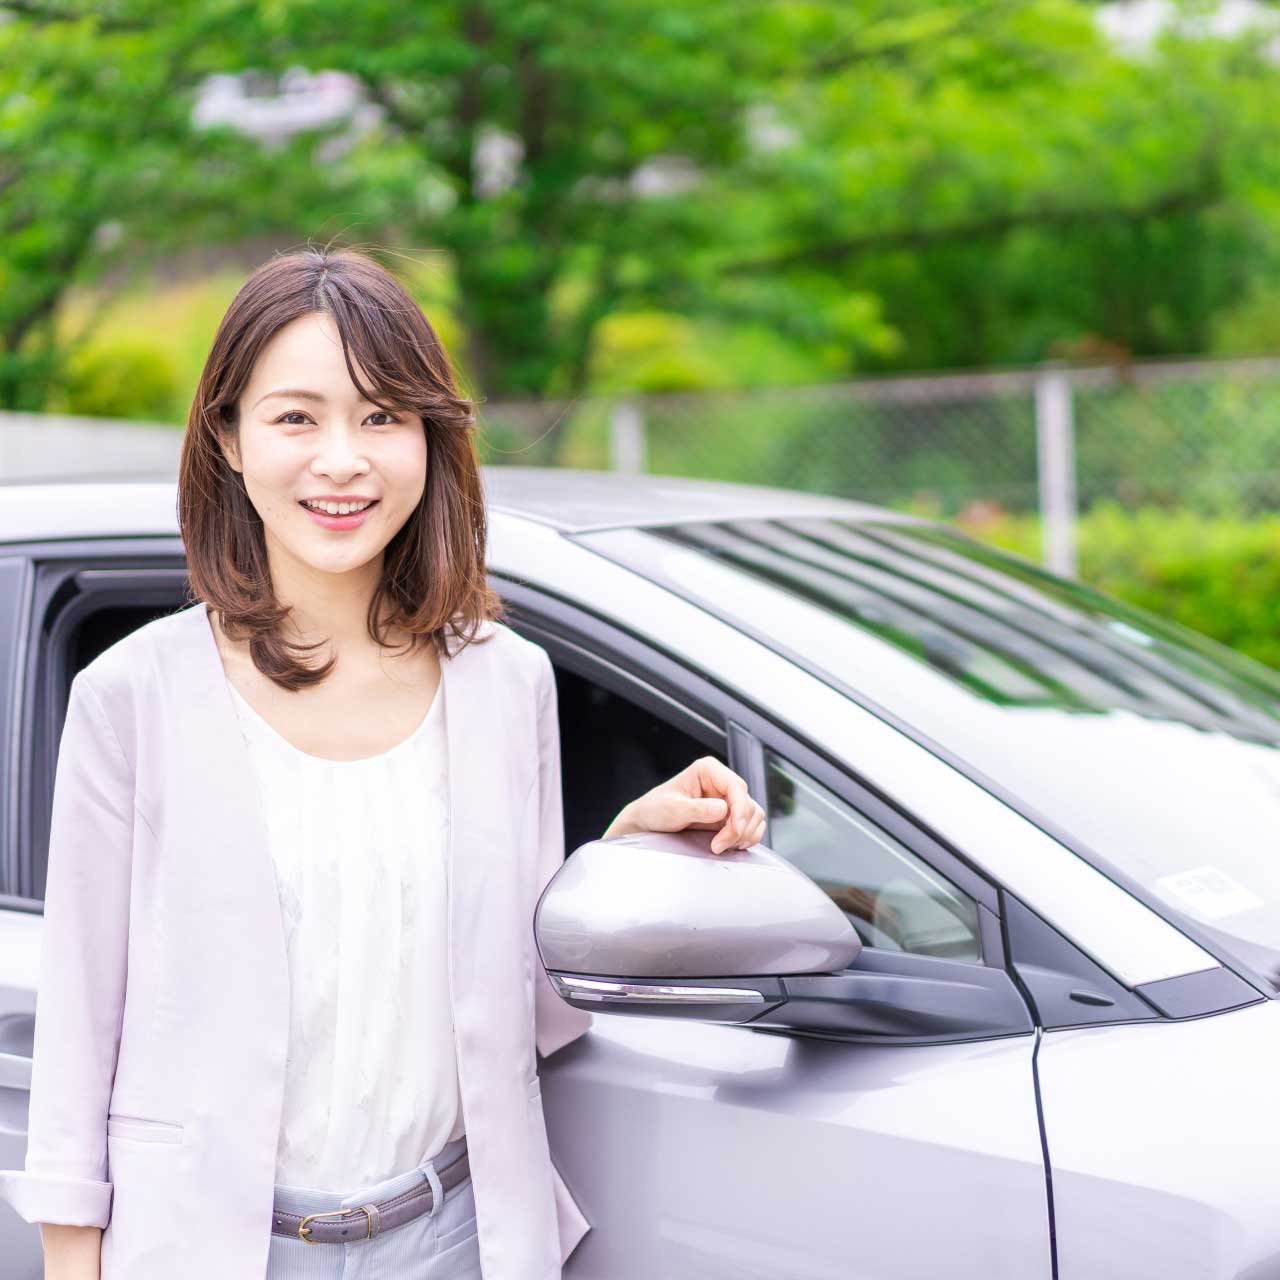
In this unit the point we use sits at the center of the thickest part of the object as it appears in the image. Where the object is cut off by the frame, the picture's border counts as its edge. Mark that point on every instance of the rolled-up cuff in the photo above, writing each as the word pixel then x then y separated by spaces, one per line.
pixel 73 1202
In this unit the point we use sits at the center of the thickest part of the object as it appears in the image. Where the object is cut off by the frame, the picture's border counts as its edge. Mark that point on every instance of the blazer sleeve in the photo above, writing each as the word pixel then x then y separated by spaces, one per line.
pixel 83 961
pixel 556 1023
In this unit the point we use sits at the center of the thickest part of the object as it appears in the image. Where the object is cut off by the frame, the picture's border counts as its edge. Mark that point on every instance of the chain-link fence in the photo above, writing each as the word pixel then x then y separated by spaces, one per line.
pixel 1202 435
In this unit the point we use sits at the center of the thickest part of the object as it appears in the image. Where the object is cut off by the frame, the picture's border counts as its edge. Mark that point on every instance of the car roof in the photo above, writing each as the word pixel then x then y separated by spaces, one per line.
pixel 570 500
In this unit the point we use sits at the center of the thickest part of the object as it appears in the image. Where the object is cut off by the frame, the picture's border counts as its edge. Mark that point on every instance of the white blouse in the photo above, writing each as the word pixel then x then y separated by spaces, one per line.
pixel 358 846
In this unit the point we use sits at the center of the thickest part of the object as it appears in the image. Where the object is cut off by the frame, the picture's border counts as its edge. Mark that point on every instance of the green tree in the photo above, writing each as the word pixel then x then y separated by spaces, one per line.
pixel 102 173
pixel 802 152
pixel 879 181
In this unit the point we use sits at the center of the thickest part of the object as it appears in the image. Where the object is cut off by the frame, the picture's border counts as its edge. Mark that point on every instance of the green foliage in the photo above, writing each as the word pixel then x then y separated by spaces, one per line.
pixel 1217 575
pixel 103 174
pixel 120 379
pixel 175 320
pixel 652 352
pixel 859 184
pixel 1252 326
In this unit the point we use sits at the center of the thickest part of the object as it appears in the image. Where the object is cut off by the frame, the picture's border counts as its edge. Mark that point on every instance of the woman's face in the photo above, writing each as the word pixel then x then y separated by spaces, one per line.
pixel 306 433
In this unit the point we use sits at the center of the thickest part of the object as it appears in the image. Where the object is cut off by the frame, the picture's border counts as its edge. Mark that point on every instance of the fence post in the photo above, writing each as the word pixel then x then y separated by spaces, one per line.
pixel 1055 457
pixel 626 438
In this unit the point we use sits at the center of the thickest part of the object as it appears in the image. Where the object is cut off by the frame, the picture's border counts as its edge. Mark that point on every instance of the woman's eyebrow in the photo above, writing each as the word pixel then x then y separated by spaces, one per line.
pixel 301 393
pixel 298 393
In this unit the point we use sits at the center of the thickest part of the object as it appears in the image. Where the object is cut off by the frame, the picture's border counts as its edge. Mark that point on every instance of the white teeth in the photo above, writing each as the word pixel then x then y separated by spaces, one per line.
pixel 337 508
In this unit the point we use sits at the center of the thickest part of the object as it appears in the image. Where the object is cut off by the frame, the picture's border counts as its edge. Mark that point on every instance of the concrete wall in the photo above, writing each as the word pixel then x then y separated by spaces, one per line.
pixel 38 446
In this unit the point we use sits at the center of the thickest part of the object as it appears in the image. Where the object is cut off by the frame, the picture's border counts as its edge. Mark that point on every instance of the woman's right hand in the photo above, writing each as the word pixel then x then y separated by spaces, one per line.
pixel 71 1253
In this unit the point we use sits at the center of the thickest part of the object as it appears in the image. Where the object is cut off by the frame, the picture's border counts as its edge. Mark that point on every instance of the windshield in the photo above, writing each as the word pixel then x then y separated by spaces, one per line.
pixel 1155 746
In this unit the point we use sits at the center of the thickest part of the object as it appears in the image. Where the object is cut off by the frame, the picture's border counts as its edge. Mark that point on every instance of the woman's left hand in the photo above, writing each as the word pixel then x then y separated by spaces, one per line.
pixel 704 795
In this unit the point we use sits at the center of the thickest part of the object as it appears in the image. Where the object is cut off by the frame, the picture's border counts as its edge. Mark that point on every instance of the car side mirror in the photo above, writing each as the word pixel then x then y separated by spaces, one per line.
pixel 656 924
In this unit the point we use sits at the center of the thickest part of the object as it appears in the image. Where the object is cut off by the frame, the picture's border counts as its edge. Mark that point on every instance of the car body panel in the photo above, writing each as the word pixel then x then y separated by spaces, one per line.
pixel 19 975
pixel 1165 1143
pixel 703 1152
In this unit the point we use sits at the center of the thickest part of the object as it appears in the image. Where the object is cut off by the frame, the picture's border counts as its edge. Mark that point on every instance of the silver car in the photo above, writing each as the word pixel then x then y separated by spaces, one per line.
pixel 994 997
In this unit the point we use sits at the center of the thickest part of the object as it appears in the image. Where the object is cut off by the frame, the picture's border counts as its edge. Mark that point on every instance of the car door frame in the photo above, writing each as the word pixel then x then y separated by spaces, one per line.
pixel 102 569
pixel 693 701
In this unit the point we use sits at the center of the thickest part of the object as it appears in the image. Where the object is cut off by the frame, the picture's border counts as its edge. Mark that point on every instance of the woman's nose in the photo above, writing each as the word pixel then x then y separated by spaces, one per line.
pixel 339 455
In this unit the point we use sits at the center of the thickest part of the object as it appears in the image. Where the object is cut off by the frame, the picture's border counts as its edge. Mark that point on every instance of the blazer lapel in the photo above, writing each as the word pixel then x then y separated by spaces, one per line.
pixel 246 881
pixel 475 827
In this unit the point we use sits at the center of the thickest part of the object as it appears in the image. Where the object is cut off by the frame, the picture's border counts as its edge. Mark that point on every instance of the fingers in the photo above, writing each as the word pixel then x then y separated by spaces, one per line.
pixel 743 834
pixel 745 822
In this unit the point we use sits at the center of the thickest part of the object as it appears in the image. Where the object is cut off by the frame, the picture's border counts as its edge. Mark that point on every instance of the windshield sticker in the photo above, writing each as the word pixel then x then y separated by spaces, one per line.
pixel 1210 892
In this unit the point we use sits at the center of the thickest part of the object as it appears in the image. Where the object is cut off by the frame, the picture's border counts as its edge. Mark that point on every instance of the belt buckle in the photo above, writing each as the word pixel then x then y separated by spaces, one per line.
pixel 336 1213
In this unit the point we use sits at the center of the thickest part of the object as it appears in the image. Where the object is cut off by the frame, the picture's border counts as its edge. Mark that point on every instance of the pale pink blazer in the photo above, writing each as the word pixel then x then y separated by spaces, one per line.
pixel 161 1017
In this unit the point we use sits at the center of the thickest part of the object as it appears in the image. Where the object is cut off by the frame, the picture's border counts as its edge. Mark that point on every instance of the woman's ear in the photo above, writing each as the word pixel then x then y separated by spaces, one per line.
pixel 230 451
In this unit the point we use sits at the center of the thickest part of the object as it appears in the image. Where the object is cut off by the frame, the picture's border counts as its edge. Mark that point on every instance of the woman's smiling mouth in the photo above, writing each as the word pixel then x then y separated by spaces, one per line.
pixel 332 515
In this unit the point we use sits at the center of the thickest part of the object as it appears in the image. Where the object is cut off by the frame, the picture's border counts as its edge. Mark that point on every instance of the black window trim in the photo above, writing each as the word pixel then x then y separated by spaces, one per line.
pixel 11 699
pixel 654 691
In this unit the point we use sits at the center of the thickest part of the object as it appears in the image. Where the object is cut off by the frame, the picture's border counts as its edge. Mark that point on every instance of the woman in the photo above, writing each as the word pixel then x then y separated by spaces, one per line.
pixel 289 1000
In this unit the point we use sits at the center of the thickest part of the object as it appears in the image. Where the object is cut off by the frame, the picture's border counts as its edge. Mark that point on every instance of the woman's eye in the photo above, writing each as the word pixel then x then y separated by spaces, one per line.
pixel 297 413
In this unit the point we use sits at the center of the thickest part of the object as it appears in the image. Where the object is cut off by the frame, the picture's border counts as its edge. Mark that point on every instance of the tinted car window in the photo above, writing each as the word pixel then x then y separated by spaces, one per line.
pixel 893 900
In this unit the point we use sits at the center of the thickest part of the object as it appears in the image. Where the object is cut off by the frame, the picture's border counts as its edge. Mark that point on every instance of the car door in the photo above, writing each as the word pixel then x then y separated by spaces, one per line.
pixel 703 1150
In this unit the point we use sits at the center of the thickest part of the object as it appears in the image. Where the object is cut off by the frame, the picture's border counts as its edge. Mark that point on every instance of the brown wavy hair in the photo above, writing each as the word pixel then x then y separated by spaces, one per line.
pixel 433 585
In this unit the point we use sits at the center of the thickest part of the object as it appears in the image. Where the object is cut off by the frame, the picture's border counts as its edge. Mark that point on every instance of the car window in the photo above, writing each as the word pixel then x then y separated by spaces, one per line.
pixel 893 899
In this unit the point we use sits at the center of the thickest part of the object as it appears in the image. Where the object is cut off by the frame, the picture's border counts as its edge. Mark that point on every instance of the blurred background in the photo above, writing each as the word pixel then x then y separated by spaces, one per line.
pixel 1010 263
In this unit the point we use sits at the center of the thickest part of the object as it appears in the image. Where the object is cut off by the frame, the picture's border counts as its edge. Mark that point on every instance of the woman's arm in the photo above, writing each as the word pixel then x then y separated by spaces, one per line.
pixel 71 1253
pixel 80 996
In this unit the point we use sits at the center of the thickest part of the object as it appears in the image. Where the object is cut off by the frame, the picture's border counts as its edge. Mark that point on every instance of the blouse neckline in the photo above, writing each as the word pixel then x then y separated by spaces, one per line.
pixel 284 744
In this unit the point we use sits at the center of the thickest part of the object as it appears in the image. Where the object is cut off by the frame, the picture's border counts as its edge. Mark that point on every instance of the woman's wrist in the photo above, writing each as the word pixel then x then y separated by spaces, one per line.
pixel 623 825
pixel 71 1253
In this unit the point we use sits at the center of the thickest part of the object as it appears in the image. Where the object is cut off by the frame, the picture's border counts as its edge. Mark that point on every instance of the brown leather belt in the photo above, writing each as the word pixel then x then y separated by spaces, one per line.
pixel 365 1221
